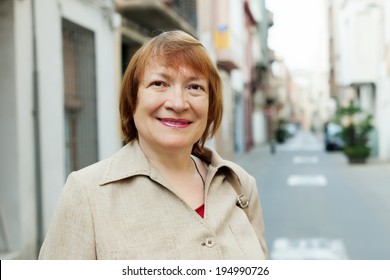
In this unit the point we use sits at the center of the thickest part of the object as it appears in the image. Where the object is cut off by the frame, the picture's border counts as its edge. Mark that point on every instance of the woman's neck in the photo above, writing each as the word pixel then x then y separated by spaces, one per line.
pixel 178 160
pixel 182 173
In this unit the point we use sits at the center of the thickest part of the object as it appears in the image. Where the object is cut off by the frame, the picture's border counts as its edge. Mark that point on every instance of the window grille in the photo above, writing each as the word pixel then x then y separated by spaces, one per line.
pixel 79 96
pixel 187 10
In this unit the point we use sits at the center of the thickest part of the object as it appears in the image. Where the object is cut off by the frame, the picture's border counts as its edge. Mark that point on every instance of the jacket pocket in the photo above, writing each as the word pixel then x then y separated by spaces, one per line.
pixel 246 239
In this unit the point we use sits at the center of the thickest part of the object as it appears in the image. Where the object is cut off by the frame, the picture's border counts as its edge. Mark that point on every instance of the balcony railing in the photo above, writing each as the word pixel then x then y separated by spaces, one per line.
pixel 154 15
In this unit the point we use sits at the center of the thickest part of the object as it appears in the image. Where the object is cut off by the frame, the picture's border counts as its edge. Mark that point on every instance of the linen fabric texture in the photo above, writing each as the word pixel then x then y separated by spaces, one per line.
pixel 122 208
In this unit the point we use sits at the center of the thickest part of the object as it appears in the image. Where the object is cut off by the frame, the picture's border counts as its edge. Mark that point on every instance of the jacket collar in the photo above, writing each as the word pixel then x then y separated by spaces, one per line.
pixel 130 161
pixel 127 162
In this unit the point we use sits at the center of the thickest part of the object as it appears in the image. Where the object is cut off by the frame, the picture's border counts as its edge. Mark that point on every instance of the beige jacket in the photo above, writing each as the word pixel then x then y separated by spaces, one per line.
pixel 121 208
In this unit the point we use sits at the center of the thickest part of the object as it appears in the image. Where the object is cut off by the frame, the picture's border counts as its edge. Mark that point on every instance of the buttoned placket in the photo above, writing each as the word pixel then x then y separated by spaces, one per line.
pixel 210 239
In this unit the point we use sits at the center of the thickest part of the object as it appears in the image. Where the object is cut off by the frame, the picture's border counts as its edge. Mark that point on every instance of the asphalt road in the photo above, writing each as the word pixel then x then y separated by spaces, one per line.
pixel 318 206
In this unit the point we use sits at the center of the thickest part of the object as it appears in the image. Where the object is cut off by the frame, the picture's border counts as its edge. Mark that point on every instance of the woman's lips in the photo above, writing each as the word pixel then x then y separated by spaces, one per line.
pixel 175 123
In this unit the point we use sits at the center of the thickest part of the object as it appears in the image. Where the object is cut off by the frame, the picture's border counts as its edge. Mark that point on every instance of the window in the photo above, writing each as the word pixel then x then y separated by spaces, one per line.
pixel 79 96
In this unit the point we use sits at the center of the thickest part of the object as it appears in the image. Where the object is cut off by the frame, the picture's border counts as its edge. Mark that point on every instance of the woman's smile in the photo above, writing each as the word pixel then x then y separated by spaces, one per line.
pixel 175 123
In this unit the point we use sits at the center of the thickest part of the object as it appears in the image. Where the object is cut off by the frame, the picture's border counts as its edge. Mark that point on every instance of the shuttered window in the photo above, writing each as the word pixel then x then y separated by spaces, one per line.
pixel 79 96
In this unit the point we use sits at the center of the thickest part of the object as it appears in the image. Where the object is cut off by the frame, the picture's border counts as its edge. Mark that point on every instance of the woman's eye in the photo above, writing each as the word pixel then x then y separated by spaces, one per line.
pixel 196 87
pixel 158 83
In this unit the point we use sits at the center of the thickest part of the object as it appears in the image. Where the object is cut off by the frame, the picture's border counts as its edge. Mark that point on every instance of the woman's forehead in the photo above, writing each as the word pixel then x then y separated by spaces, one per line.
pixel 178 65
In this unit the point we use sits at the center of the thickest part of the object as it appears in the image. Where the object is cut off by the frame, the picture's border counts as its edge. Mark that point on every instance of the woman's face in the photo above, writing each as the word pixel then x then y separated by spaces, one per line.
pixel 172 107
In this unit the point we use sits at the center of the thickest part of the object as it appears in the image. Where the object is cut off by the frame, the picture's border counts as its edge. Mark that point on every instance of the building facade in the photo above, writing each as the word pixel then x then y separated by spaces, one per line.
pixel 58 107
pixel 359 62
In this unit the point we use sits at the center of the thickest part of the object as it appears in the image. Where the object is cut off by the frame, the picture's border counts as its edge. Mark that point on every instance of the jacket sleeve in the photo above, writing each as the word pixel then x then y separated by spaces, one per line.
pixel 71 233
pixel 255 215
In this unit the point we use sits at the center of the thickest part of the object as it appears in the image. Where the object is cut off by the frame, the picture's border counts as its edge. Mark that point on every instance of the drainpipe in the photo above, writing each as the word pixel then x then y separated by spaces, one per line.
pixel 37 138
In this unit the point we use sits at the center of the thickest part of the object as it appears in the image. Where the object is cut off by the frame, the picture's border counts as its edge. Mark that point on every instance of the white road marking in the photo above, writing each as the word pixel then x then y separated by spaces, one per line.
pixel 297 148
pixel 307 180
pixel 305 160
pixel 308 249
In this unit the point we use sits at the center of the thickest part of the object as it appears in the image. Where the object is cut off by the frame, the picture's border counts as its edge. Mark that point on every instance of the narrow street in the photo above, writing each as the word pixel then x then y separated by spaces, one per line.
pixel 318 206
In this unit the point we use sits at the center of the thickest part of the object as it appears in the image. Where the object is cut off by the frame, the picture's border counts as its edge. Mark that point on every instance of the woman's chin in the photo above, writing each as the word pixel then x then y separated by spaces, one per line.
pixel 176 144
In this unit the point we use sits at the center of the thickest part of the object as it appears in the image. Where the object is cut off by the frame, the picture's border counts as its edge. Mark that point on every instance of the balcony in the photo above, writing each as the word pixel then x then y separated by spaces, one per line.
pixel 154 15
pixel 227 60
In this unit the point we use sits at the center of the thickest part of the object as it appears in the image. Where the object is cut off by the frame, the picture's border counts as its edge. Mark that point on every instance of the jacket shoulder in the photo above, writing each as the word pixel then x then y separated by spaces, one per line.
pixel 239 171
pixel 92 174
pixel 245 181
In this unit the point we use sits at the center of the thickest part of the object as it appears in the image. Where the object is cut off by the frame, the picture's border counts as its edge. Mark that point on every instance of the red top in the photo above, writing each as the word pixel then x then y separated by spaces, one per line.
pixel 200 210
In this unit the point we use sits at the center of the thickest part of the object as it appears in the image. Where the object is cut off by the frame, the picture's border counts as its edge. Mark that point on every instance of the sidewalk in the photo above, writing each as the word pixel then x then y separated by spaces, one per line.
pixel 304 141
pixel 261 156
pixel 258 158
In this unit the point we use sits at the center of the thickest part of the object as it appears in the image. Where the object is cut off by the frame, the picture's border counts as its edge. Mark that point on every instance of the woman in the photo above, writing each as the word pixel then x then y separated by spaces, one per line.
pixel 163 195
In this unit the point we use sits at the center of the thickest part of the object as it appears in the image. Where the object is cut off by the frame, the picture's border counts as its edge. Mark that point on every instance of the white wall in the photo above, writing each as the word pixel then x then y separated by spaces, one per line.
pixel 25 125
pixel 383 100
pixel 259 125
pixel 226 136
pixel 51 113
pixel 238 76
pixel 205 14
pixel 17 173
pixel 383 119
pixel 359 36
pixel 237 25
pixel 8 120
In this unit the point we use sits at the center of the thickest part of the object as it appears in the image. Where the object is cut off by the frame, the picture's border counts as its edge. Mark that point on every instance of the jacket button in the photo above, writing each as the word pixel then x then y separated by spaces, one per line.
pixel 209 242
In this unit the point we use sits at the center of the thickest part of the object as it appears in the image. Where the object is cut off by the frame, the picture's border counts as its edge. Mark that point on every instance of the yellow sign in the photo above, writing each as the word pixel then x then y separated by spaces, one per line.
pixel 222 37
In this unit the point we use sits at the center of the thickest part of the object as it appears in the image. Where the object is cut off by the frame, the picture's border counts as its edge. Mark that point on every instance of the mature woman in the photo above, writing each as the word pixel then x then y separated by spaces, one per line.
pixel 163 195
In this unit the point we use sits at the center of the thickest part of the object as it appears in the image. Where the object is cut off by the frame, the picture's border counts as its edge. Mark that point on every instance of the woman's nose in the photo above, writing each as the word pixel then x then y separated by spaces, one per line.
pixel 177 99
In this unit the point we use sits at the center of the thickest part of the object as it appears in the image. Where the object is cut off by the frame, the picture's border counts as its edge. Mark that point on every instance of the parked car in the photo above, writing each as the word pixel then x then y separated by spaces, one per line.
pixel 333 137
pixel 292 129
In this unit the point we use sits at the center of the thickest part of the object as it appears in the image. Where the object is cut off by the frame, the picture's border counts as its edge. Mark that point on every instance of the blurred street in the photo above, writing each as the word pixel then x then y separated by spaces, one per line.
pixel 318 206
